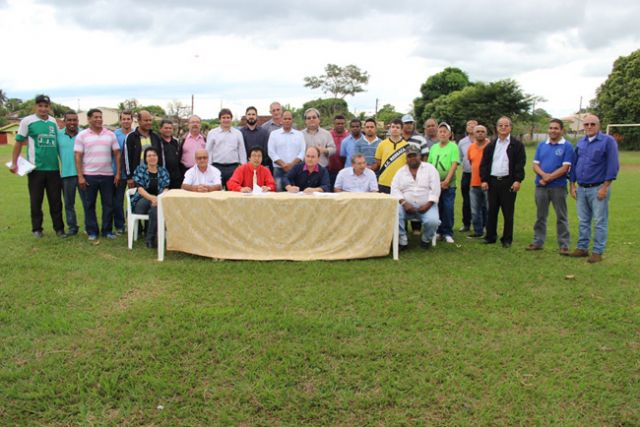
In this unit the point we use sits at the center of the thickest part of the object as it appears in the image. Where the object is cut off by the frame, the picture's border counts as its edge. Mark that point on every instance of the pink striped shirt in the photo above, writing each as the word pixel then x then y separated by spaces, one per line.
pixel 189 148
pixel 97 151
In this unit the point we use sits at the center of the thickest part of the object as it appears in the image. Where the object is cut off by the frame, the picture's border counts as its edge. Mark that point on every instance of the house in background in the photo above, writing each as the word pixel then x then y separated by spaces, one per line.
pixel 8 133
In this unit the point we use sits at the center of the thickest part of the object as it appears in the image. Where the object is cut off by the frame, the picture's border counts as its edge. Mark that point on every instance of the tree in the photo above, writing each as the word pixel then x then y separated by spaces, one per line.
pixel 328 108
pixel 179 113
pixel 3 98
pixel 387 113
pixel 155 110
pixel 618 99
pixel 485 102
pixel 449 80
pixel 339 81
pixel 28 107
pixel 131 104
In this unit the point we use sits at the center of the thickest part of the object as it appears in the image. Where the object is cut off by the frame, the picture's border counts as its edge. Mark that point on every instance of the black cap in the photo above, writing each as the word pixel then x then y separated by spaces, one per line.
pixel 43 98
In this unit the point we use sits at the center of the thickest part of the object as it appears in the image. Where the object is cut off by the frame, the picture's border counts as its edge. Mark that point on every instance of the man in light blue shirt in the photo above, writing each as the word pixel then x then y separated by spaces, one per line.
pixel 347 149
pixel 369 143
pixel 126 123
pixel 286 149
pixel 68 172
pixel 358 178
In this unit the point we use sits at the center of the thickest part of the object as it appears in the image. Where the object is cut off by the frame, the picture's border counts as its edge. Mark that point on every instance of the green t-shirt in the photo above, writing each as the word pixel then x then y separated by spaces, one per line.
pixel 442 158
pixel 42 141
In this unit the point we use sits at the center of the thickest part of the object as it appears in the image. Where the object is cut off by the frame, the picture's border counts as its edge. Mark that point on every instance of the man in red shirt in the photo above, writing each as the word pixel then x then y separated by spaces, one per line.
pixel 252 174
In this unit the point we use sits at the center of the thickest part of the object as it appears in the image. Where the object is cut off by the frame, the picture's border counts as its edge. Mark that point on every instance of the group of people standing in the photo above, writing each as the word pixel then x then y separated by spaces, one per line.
pixel 419 170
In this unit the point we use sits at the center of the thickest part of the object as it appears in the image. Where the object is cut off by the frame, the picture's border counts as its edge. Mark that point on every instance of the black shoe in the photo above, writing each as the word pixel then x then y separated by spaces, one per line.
pixel 425 245
pixel 61 234
pixel 72 233
pixel 474 235
pixel 488 242
pixel 403 247
pixel 151 245
pixel 464 229
pixel 506 244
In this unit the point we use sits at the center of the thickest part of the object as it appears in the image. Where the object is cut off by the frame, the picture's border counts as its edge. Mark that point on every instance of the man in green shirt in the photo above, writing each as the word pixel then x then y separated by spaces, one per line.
pixel 445 156
pixel 39 132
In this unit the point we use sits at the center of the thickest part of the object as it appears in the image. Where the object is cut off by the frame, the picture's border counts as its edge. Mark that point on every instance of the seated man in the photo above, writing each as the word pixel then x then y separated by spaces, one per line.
pixel 252 174
pixel 358 178
pixel 202 177
pixel 417 185
pixel 309 176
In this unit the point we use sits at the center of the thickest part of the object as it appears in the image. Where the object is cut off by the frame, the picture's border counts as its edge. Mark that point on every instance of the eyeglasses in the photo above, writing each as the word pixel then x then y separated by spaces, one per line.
pixel 590 124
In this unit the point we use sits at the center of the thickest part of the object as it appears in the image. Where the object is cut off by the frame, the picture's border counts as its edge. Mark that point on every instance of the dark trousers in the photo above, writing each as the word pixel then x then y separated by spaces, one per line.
pixel 143 206
pixel 465 186
pixel 226 170
pixel 384 189
pixel 501 198
pixel 39 182
pixel 102 184
pixel 332 180
pixel 69 188
pixel 118 204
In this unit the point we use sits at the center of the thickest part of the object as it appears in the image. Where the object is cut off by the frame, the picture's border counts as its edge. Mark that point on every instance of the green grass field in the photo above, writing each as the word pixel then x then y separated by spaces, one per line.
pixel 461 335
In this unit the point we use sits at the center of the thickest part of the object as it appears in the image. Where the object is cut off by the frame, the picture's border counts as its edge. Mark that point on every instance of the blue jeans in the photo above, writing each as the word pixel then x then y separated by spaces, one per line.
pixel 445 208
pixel 278 176
pixel 69 187
pixel 118 204
pixel 102 184
pixel 590 208
pixel 479 209
pixel 430 221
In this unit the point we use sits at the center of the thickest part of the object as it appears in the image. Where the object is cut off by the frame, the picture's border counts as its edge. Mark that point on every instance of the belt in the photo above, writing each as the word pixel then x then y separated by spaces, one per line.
pixel 597 184
pixel 500 178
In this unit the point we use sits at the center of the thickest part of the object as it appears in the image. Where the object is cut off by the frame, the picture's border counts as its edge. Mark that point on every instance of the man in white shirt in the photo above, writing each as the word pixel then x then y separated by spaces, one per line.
pixel 358 178
pixel 286 149
pixel 202 177
pixel 417 185
pixel 225 145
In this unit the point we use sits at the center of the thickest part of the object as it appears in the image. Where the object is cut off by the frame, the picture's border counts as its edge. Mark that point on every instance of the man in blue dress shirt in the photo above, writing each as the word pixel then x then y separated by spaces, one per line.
pixel 596 166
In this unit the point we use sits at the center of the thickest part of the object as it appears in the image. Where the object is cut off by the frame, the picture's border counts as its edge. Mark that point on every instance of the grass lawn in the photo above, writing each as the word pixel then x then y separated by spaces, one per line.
pixel 461 335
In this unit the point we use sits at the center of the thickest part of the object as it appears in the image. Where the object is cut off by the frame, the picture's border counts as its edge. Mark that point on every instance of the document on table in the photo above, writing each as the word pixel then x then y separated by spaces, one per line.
pixel 24 166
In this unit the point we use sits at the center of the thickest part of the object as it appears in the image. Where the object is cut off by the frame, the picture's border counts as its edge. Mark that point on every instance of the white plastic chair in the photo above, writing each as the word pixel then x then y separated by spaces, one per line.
pixel 133 219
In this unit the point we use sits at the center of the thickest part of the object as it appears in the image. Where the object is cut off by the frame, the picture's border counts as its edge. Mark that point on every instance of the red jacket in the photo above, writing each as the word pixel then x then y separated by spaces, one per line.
pixel 243 177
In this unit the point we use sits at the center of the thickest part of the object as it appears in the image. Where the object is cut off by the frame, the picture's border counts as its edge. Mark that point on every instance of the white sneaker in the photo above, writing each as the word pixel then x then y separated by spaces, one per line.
pixel 449 239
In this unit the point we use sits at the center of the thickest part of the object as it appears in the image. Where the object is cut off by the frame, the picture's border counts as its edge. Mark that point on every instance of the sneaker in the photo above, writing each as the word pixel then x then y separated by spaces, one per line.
pixel 464 229
pixel 119 231
pixel 37 234
pixel 92 237
pixel 449 239
pixel 110 236
pixel 534 247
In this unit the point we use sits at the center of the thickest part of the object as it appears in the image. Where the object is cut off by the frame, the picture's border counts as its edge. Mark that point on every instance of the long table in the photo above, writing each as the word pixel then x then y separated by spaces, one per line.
pixel 278 226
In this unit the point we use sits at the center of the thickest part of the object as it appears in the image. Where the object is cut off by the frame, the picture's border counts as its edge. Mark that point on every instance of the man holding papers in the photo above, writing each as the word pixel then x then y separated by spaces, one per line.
pixel 39 133
pixel 251 176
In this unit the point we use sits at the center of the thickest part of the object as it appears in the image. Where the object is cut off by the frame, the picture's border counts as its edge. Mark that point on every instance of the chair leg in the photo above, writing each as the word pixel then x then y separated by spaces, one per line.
pixel 130 233
pixel 135 229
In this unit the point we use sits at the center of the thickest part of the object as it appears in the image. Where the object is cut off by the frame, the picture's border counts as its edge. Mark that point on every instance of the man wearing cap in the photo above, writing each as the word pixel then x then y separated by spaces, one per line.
pixel 390 156
pixel 39 132
pixel 465 179
pixel 417 186
pixel 551 164
pixel 501 172
pixel 358 178
pixel 596 167
pixel 410 135
pixel 444 156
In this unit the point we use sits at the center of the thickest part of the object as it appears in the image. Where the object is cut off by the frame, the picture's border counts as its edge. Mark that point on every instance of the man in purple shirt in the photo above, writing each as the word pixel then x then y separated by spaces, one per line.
pixel 596 166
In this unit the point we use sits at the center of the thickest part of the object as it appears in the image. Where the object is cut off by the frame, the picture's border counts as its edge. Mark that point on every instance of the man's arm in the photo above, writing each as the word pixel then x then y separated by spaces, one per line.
pixel 116 179
pixel 82 182
pixel 17 148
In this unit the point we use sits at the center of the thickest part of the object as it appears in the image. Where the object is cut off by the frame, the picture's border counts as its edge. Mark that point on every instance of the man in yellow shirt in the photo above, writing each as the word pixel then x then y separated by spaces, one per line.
pixel 390 156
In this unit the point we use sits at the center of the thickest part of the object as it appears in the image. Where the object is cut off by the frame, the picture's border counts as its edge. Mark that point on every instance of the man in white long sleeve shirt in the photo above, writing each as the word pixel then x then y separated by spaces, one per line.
pixel 417 185
pixel 225 145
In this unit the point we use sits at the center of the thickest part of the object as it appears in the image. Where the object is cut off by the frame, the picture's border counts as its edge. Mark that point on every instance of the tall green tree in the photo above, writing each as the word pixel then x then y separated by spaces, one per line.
pixel 618 99
pixel 485 102
pixel 329 108
pixel 388 113
pixel 449 80
pixel 339 81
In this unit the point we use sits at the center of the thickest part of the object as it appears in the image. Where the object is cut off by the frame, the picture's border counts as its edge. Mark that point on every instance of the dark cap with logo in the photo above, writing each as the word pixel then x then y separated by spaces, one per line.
pixel 43 98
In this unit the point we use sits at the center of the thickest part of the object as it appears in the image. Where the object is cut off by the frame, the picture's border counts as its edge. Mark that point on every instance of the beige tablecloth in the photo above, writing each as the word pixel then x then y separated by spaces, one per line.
pixel 279 226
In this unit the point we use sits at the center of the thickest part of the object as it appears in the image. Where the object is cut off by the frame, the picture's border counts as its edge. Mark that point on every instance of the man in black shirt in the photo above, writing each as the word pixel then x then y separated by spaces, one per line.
pixel 170 155
pixel 309 176
pixel 256 136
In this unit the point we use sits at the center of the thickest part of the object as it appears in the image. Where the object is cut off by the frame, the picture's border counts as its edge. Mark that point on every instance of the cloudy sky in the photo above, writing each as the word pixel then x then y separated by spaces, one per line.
pixel 235 53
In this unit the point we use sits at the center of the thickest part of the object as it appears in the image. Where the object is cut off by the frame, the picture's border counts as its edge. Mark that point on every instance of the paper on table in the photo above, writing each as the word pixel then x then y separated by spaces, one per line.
pixel 24 166
pixel 257 189
pixel 322 194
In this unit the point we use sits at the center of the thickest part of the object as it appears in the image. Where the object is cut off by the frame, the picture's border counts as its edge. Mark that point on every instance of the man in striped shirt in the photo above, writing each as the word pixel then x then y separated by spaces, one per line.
pixel 95 148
